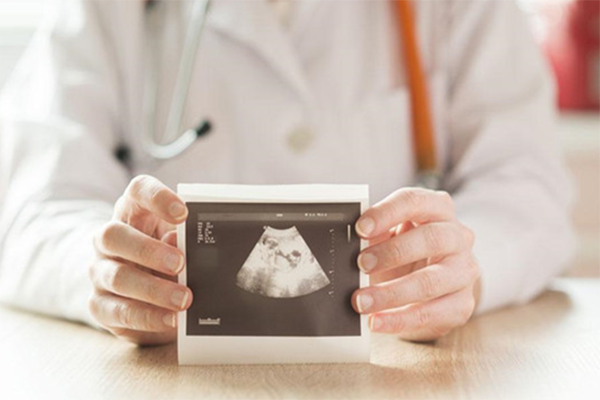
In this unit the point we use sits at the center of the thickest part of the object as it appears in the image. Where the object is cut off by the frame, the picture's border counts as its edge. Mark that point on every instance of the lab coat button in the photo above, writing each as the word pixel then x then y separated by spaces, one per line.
pixel 300 139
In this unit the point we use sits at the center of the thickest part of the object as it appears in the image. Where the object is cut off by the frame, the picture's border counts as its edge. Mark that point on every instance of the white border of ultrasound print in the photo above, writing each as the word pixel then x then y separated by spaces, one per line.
pixel 270 350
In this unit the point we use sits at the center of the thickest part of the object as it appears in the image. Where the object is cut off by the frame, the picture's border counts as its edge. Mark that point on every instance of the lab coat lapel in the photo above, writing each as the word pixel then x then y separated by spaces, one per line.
pixel 253 24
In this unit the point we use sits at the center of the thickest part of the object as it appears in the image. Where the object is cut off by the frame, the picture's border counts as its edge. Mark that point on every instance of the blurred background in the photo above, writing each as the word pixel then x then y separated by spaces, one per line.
pixel 567 30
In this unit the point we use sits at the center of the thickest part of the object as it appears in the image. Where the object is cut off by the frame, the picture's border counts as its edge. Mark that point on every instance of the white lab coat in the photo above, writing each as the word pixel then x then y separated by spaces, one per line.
pixel 324 100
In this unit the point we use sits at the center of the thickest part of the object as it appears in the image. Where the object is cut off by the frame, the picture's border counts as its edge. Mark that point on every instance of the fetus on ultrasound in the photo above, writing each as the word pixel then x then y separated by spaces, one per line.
pixel 281 265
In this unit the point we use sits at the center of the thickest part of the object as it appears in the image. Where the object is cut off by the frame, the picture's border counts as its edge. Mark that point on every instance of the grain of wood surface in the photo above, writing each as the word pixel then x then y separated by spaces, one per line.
pixel 548 349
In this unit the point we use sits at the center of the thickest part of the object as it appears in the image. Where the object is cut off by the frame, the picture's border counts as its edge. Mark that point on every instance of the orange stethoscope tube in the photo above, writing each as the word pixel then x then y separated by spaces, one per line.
pixel 423 139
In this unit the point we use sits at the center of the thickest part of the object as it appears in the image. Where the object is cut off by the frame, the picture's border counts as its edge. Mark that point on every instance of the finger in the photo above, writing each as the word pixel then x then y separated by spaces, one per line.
pixel 131 282
pixel 121 240
pixel 382 238
pixel 405 227
pixel 152 195
pixel 407 204
pixel 426 321
pixel 394 273
pixel 397 230
pixel 164 228
pixel 429 240
pixel 113 311
pixel 452 275
pixel 170 238
pixel 145 338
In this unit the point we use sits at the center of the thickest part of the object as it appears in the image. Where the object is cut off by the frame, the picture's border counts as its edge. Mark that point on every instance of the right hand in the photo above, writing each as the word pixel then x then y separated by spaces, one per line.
pixel 136 296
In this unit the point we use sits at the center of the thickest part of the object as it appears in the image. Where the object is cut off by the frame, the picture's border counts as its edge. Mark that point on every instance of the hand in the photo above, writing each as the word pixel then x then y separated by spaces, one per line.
pixel 424 277
pixel 136 296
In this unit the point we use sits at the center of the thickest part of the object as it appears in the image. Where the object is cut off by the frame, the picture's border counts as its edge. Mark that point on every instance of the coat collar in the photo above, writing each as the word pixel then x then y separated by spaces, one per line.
pixel 254 24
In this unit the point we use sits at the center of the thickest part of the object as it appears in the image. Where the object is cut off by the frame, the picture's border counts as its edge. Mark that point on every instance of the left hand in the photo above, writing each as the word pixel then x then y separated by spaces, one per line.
pixel 424 277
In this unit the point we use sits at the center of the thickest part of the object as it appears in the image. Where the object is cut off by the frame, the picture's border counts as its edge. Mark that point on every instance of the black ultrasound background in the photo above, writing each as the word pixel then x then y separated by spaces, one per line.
pixel 212 271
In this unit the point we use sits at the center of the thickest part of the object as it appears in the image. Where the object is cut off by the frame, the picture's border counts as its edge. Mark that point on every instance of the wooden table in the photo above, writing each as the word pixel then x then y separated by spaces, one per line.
pixel 547 349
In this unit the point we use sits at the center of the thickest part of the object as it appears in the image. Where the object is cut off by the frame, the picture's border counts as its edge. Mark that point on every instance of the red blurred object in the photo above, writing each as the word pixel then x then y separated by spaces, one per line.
pixel 572 42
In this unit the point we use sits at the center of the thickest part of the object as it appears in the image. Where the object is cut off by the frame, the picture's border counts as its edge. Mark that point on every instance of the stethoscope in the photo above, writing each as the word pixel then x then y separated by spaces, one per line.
pixel 424 144
pixel 180 92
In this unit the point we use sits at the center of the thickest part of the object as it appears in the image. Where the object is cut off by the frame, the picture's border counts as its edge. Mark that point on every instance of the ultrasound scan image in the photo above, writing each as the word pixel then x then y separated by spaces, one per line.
pixel 272 269
pixel 281 265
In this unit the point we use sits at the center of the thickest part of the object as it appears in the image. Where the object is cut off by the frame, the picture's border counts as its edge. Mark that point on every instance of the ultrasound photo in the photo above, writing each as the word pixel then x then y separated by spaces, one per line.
pixel 272 269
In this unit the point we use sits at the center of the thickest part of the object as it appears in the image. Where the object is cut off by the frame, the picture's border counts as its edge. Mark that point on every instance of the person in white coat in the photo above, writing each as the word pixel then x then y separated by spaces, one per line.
pixel 317 94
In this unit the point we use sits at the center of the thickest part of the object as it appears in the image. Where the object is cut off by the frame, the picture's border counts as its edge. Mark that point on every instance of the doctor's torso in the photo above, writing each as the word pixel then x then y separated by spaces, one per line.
pixel 321 100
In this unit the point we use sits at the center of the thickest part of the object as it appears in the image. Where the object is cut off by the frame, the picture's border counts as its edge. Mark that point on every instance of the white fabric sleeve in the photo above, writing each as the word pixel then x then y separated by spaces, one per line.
pixel 506 171
pixel 59 120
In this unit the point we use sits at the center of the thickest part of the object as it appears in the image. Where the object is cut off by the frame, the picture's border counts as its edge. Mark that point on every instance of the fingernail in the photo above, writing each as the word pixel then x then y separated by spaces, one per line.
pixel 177 210
pixel 364 302
pixel 367 261
pixel 174 262
pixel 170 320
pixel 375 323
pixel 365 226
pixel 179 298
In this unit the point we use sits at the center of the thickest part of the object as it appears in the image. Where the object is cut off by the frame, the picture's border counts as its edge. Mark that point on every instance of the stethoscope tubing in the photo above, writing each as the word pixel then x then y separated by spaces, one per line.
pixel 180 93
